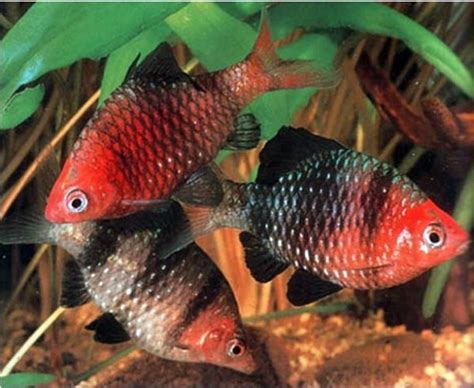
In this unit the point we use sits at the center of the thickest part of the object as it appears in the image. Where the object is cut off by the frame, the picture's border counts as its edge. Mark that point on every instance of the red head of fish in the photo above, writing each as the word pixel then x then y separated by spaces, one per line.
pixel 84 190
pixel 430 236
pixel 219 340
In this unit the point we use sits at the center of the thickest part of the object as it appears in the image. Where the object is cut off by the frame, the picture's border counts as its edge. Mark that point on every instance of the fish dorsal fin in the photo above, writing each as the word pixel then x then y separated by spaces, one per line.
pixel 74 291
pixel 246 133
pixel 108 330
pixel 261 262
pixel 203 188
pixel 304 288
pixel 287 149
pixel 160 65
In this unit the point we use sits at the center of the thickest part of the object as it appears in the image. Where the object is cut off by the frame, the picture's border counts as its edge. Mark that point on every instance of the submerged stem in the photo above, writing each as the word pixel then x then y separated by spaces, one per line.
pixel 31 341
pixel 464 215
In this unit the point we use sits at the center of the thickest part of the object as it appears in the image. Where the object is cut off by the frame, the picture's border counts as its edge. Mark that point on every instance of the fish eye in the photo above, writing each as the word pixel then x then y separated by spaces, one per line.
pixel 434 236
pixel 77 201
pixel 236 348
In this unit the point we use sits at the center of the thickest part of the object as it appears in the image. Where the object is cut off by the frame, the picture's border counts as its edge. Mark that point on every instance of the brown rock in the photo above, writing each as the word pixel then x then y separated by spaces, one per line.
pixel 378 363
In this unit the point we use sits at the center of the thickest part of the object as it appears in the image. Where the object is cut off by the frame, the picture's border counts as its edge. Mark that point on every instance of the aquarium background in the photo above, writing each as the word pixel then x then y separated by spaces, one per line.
pixel 403 98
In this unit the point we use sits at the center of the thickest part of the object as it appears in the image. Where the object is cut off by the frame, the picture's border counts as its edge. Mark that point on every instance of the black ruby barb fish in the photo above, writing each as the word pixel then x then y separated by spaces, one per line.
pixel 181 308
pixel 342 218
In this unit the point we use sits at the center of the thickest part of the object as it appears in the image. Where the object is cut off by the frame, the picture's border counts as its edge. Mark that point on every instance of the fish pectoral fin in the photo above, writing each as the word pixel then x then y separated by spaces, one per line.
pixel 304 288
pixel 287 149
pixel 263 265
pixel 203 188
pixel 246 134
pixel 108 330
pixel 161 66
pixel 74 292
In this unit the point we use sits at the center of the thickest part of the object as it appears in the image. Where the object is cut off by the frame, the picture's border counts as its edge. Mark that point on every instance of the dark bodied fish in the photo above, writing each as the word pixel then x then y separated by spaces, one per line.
pixel 162 125
pixel 181 308
pixel 342 218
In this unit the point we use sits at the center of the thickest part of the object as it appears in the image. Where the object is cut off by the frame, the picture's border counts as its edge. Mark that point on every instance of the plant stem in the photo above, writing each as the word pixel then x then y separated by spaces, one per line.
pixel 104 364
pixel 31 341
pixel 464 215
pixel 331 308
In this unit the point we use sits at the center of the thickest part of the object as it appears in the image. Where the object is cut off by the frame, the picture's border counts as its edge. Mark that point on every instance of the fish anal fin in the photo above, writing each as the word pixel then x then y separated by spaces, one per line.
pixel 108 330
pixel 246 134
pixel 161 65
pixel 74 291
pixel 304 288
pixel 287 149
pixel 203 188
pixel 261 262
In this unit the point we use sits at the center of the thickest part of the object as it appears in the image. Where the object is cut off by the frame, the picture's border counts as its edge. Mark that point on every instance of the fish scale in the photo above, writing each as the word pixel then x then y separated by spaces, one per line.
pixel 179 308
pixel 342 218
pixel 156 130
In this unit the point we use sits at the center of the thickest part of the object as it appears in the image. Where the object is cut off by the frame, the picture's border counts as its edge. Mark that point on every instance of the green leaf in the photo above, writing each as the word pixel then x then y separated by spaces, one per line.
pixel 120 60
pixel 241 10
pixel 25 379
pixel 21 106
pixel 208 30
pixel 374 19
pixel 53 35
pixel 464 215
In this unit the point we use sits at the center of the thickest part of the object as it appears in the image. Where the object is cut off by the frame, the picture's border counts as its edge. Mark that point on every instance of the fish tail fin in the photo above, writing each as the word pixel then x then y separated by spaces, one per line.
pixel 28 227
pixel 283 74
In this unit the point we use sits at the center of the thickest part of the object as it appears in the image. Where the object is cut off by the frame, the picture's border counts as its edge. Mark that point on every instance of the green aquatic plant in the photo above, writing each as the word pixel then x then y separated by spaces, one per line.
pixel 53 35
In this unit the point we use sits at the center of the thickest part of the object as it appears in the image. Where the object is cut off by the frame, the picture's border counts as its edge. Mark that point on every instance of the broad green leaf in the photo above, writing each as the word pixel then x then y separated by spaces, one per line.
pixel 374 19
pixel 53 35
pixel 216 38
pixel 19 380
pixel 120 60
pixel 241 10
pixel 21 106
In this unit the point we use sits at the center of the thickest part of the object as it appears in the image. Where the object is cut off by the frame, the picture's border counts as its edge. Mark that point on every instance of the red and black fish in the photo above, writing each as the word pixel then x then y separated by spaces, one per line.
pixel 342 218
pixel 181 308
pixel 162 125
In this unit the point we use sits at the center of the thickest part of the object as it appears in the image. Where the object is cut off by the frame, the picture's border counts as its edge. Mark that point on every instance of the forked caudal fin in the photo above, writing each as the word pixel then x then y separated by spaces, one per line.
pixel 286 74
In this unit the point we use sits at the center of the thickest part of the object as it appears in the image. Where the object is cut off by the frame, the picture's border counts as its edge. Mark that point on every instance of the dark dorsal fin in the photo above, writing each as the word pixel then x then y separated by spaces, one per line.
pixel 246 133
pixel 288 148
pixel 304 288
pixel 261 262
pixel 74 291
pixel 108 330
pixel 160 65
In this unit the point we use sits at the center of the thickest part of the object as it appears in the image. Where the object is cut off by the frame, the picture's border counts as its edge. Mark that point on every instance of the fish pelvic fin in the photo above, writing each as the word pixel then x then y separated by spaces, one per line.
pixel 108 330
pixel 262 263
pixel 304 288
pixel 285 74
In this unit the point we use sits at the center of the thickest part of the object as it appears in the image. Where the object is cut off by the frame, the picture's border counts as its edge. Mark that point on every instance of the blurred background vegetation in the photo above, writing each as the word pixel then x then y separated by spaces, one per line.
pixel 405 97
